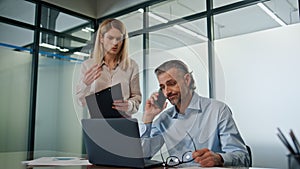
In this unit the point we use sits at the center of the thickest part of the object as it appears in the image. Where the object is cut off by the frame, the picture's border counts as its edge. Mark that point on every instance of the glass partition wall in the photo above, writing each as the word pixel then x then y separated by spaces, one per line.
pixel 37 103
pixel 39 51
pixel 15 74
pixel 59 54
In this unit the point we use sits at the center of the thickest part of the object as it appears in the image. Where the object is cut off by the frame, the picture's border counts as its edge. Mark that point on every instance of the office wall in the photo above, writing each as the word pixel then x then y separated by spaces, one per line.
pixel 258 77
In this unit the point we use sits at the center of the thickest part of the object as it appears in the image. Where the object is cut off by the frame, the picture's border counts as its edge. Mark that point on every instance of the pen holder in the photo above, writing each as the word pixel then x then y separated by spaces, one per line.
pixel 293 161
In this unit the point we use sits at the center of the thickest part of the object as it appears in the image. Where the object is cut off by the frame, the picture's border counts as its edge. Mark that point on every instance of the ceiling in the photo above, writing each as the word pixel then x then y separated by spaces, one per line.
pixel 95 8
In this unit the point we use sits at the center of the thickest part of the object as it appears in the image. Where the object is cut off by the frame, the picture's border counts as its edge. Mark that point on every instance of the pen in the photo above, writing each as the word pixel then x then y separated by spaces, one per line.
pixel 285 142
pixel 295 141
pixel 288 146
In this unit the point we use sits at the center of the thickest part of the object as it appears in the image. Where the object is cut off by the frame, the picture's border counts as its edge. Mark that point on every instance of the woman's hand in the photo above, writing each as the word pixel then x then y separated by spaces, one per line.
pixel 121 105
pixel 92 74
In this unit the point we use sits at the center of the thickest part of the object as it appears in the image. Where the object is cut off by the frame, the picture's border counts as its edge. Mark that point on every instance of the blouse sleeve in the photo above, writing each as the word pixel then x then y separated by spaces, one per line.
pixel 135 93
pixel 81 88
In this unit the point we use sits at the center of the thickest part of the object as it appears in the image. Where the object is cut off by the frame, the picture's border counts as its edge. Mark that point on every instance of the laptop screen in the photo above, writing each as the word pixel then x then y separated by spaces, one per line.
pixel 114 142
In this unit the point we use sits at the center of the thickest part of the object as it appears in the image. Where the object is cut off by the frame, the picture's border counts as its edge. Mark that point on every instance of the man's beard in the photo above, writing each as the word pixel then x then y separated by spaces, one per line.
pixel 175 101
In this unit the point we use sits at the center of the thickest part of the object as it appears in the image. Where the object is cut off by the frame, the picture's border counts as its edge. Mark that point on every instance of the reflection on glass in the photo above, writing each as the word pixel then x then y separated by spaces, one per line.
pixel 171 10
pixel 133 20
pixel 175 37
pixel 84 32
pixel 257 17
pixel 15 37
pixel 242 21
pixel 62 48
pixel 61 22
pixel 287 11
pixel 19 10
pixel 218 3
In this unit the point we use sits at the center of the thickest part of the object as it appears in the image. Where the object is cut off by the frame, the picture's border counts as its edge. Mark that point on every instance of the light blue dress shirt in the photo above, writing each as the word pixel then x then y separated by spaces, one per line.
pixel 210 124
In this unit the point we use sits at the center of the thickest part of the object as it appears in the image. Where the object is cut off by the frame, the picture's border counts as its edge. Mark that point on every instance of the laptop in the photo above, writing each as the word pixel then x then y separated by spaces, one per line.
pixel 100 103
pixel 115 142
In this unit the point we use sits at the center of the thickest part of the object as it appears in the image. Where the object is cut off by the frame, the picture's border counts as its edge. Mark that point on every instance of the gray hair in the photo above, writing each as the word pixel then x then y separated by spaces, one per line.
pixel 177 64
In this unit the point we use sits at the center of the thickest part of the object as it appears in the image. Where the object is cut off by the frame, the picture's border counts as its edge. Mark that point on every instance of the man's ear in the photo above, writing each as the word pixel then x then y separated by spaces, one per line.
pixel 187 79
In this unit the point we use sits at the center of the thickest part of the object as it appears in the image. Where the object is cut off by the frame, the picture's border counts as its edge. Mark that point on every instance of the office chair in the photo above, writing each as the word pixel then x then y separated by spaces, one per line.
pixel 250 154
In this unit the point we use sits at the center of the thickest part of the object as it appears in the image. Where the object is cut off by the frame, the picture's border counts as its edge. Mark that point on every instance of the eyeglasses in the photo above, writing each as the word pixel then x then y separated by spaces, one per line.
pixel 172 161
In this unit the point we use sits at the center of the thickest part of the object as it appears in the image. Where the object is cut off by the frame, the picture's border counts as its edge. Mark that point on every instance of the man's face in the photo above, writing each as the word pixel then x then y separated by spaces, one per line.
pixel 174 85
pixel 112 41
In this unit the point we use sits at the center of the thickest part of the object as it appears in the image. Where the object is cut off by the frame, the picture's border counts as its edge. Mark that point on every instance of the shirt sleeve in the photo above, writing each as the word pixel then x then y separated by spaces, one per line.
pixel 151 138
pixel 236 153
pixel 134 100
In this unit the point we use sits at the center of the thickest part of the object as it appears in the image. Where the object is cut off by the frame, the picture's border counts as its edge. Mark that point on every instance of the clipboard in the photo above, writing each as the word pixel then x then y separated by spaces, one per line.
pixel 100 103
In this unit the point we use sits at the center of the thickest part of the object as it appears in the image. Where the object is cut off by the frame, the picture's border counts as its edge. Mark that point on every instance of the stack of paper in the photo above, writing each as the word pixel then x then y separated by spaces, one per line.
pixel 59 161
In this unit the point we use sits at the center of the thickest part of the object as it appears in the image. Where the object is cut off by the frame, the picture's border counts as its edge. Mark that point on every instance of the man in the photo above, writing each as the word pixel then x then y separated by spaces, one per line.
pixel 196 130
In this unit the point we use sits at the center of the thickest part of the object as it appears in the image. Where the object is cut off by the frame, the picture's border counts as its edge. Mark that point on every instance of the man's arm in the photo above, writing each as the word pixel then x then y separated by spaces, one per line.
pixel 151 137
pixel 233 145
pixel 233 150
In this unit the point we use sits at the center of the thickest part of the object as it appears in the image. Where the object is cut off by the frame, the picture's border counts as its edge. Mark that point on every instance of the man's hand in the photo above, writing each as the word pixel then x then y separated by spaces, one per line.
pixel 151 109
pixel 207 158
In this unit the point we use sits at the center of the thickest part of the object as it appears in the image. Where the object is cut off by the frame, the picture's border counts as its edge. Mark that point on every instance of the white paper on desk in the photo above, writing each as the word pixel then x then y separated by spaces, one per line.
pixel 198 167
pixel 60 161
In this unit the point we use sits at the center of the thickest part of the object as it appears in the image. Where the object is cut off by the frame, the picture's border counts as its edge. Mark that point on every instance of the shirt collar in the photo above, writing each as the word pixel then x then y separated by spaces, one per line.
pixel 194 105
pixel 103 63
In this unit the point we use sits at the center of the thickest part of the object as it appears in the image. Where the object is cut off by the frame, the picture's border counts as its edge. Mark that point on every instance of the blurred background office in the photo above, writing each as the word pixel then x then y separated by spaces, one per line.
pixel 245 53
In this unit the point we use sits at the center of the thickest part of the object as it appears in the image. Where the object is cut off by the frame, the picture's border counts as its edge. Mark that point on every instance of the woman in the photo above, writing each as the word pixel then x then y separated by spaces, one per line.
pixel 110 65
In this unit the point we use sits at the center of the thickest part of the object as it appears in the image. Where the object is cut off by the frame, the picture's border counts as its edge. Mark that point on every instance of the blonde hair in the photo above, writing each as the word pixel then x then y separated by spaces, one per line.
pixel 98 51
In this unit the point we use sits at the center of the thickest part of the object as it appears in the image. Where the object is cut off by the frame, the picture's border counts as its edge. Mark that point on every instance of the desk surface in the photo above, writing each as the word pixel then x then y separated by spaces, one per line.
pixel 14 160
pixel 107 167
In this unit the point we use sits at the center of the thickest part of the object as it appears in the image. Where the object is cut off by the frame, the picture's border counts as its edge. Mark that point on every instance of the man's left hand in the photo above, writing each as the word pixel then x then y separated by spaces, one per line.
pixel 207 158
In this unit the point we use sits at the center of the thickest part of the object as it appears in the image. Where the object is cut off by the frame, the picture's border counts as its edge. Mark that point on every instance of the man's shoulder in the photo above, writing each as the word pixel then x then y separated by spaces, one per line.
pixel 210 106
pixel 205 101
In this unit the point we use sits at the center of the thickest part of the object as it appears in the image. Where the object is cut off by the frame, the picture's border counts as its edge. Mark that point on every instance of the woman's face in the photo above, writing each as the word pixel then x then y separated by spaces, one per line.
pixel 112 41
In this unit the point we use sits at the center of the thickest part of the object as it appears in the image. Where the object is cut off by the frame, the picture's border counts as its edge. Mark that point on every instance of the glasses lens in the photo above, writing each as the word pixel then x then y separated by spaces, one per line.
pixel 172 161
pixel 187 157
